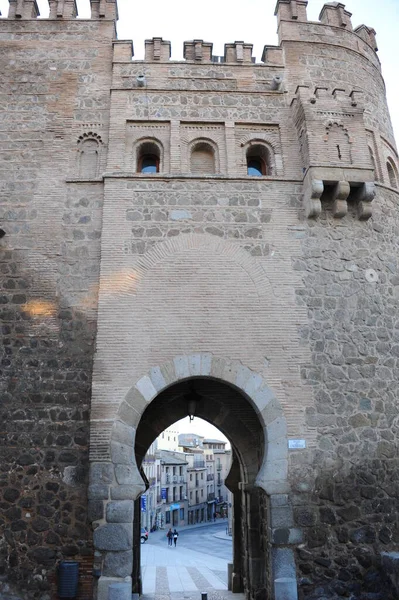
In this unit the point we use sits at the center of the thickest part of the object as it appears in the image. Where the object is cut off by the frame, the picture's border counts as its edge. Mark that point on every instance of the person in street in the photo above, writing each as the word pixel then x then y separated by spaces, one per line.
pixel 175 536
pixel 169 535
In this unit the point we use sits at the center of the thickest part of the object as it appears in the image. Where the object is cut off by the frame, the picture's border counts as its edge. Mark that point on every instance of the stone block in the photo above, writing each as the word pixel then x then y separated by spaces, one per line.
pixel 118 564
pixel 168 372
pixel 281 516
pixel 120 511
pixel 157 379
pixel 113 537
pixel 128 414
pixel 262 397
pixel 182 369
pixel 277 449
pixel 124 434
pixel 206 363
pixel 272 411
pixel 194 364
pixel 278 500
pixel 127 492
pixel 120 591
pixel 98 491
pixel 122 454
pixel 101 472
pixel 104 584
pixel 146 388
pixel 276 430
pixel 252 384
pixel 242 376
pixel 285 588
pixel 128 475
pixel 95 510
pixel 218 366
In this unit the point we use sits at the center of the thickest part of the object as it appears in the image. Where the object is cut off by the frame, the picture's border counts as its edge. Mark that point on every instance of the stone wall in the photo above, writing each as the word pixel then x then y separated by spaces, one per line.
pixel 54 93
pixel 216 265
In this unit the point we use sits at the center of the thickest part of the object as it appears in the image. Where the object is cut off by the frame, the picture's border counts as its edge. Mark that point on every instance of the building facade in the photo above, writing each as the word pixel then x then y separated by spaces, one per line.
pixel 214 237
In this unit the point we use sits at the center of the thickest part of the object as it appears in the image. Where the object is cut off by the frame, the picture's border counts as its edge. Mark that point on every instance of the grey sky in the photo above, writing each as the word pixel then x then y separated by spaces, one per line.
pixel 252 21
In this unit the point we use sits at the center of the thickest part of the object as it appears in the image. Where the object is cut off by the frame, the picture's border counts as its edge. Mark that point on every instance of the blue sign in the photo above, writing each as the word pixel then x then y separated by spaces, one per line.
pixel 163 493
pixel 143 503
pixel 174 506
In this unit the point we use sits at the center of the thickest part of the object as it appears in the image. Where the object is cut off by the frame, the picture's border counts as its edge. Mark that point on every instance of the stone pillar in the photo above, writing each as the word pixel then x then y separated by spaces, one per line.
pixel 104 9
pixel 368 35
pixel 23 9
pixel 63 9
pixel 175 153
pixel 113 487
pixel 198 51
pixel 238 52
pixel 157 50
pixel 283 537
pixel 291 10
pixel 230 148
pixel 334 13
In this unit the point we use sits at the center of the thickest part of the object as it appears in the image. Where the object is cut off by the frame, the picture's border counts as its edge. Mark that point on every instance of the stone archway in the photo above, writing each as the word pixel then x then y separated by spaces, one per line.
pixel 116 484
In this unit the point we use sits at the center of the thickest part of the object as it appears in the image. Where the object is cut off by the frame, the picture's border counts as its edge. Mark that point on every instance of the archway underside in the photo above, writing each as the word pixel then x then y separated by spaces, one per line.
pixel 226 408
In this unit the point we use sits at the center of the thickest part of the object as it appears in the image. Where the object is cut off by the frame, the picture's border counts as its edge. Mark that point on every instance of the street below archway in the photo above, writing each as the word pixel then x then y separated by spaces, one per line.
pixel 197 564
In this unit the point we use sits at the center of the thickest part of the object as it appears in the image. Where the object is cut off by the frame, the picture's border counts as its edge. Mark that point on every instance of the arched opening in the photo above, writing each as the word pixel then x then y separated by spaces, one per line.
pixel 227 408
pixel 258 160
pixel 392 174
pixel 88 158
pixel 244 408
pixel 148 158
pixel 202 159
pixel 185 470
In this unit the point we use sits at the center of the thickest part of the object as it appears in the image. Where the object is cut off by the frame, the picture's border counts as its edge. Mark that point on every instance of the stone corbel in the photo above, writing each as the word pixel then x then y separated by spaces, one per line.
pixel 340 195
pixel 364 197
pixel 313 189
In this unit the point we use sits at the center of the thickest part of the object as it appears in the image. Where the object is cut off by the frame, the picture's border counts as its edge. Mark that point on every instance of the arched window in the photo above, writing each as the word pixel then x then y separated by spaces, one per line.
pixel 202 159
pixel 88 158
pixel 148 158
pixel 392 174
pixel 258 161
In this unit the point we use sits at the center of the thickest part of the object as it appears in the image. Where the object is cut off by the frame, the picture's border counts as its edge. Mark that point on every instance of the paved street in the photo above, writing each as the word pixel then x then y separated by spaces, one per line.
pixel 197 564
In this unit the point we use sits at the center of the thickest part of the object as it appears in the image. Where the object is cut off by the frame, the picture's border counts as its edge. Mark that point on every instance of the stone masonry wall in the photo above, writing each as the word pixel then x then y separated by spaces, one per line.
pixel 351 292
pixel 54 89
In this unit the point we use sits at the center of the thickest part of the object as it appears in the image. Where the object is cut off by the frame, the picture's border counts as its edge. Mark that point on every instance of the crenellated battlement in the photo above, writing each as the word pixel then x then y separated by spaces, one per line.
pixel 62 9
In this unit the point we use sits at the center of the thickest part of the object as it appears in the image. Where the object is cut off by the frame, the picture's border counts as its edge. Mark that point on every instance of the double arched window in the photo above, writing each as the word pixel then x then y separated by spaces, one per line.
pixel 392 173
pixel 202 158
pixel 258 158
pixel 149 154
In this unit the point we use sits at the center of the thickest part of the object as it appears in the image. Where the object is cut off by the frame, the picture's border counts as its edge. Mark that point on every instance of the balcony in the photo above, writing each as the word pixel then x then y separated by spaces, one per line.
pixel 152 481
pixel 199 464
pixel 218 467
pixel 174 478
pixel 210 477
pixel 181 479
pixel 211 496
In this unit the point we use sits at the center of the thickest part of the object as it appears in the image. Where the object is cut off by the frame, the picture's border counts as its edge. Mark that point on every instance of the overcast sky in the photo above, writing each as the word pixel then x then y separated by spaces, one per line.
pixel 252 21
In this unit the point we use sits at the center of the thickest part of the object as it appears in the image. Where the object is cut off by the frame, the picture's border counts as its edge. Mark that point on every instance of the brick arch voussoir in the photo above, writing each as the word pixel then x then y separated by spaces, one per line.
pixel 201 241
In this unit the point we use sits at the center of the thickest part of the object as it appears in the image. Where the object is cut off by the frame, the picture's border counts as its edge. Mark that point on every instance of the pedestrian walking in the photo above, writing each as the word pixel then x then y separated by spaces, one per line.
pixel 169 535
pixel 175 536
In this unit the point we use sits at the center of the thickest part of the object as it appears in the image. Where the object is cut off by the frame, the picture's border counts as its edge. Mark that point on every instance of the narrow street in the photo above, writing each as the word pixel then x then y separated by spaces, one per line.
pixel 197 564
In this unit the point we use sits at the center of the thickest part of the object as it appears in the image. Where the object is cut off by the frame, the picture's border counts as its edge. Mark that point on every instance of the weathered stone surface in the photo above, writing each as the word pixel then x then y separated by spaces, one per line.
pixel 118 564
pixel 113 537
pixel 120 512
